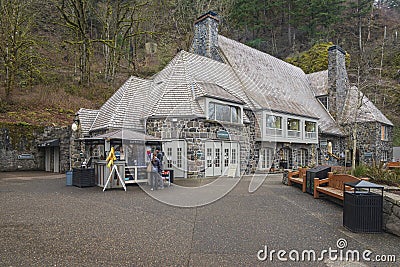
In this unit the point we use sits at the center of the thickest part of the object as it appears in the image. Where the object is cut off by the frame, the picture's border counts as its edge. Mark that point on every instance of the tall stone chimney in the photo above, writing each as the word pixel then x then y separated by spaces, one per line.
pixel 205 41
pixel 338 81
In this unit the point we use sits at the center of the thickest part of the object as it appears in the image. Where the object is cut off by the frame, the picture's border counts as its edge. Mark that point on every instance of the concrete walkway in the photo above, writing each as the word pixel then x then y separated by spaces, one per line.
pixel 45 223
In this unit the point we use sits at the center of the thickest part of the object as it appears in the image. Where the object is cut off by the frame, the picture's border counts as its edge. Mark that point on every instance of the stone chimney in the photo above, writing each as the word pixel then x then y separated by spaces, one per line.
pixel 338 81
pixel 205 41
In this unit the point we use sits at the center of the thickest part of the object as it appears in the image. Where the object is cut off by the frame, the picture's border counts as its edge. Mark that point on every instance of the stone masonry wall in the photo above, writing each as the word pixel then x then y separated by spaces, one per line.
pixel 391 213
pixel 205 41
pixel 17 141
pixel 337 80
pixel 369 143
pixel 196 132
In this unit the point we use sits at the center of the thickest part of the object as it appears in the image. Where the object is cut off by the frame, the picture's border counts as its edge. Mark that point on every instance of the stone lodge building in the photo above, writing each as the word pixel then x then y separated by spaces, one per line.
pixel 226 107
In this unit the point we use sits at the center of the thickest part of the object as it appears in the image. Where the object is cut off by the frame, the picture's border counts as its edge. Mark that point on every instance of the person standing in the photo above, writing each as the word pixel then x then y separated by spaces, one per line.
pixel 156 180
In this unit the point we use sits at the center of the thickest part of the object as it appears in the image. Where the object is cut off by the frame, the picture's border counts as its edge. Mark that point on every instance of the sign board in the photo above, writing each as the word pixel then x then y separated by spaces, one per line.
pixel 223 134
pixel 368 154
pixel 25 156
pixel 323 142
pixel 232 170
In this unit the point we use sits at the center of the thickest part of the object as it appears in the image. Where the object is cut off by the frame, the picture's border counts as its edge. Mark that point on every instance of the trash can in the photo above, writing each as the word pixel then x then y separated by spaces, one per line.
pixel 363 209
pixel 320 172
pixel 69 177
pixel 83 177
pixel 168 174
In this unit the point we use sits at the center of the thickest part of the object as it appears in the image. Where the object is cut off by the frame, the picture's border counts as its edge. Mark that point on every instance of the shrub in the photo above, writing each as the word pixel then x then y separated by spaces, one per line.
pixel 360 171
pixel 380 175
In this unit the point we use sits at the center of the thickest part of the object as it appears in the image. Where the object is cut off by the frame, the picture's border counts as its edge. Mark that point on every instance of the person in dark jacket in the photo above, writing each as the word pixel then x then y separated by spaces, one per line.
pixel 156 179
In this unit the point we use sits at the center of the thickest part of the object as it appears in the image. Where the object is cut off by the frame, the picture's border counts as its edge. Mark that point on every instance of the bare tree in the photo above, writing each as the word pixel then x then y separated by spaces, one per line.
pixel 17 46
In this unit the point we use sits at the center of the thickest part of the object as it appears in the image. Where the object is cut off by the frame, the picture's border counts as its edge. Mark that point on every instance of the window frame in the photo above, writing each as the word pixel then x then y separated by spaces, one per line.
pixel 216 106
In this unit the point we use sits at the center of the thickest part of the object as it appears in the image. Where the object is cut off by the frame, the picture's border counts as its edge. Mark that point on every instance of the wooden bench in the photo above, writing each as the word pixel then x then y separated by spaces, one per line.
pixel 393 165
pixel 335 185
pixel 298 177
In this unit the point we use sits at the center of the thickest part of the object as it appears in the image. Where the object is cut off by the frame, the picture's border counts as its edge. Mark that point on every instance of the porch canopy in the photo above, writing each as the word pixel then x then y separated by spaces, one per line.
pixel 123 135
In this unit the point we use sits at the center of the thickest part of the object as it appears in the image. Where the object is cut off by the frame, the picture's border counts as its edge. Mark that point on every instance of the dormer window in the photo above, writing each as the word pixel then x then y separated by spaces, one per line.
pixel 324 101
pixel 224 112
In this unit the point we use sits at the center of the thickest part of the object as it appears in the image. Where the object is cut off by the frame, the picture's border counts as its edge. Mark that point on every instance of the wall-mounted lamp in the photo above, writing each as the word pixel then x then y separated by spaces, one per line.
pixel 75 125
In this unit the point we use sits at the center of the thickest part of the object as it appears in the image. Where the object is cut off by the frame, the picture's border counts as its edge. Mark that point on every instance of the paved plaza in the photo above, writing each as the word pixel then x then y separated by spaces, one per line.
pixel 43 222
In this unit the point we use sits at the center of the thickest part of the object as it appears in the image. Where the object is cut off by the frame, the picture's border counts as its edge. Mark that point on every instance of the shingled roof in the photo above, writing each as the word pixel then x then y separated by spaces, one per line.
pixel 125 108
pixel 279 85
pixel 189 76
pixel 357 106
pixel 86 118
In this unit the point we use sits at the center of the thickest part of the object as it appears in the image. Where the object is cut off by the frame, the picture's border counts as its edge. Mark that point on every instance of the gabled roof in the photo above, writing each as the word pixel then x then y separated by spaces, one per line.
pixel 215 91
pixel 359 108
pixel 277 85
pixel 86 118
pixel 125 108
pixel 367 111
pixel 124 134
pixel 319 82
pixel 189 76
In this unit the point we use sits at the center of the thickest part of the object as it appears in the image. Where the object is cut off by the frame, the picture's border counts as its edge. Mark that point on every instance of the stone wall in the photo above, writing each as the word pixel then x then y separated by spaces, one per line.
pixel 64 135
pixel 391 213
pixel 369 144
pixel 19 146
pixel 196 132
pixel 205 40
pixel 337 80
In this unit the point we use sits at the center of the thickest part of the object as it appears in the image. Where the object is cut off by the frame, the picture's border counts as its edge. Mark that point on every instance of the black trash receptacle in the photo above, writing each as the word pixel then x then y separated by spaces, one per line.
pixel 168 174
pixel 83 177
pixel 320 172
pixel 363 209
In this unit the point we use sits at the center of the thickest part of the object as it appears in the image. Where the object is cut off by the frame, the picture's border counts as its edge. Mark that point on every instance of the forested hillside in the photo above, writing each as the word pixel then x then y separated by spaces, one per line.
pixel 59 55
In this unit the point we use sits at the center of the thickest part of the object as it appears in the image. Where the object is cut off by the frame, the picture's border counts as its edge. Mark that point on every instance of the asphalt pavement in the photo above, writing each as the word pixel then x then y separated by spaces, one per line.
pixel 43 222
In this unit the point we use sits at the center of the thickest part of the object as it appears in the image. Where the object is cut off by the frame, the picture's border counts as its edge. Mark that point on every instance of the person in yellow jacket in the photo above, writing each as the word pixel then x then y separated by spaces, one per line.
pixel 111 157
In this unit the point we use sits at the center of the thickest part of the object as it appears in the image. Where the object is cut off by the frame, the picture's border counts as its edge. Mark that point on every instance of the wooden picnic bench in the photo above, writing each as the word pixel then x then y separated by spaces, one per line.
pixel 298 177
pixel 335 185
pixel 393 165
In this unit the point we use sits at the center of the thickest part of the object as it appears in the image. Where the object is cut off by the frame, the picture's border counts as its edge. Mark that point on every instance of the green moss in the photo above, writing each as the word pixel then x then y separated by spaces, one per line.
pixel 315 59
pixel 21 131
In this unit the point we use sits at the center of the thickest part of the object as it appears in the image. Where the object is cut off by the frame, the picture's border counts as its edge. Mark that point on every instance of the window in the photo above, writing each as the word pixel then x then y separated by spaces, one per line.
pixel 384 156
pixel 235 114
pixel 221 112
pixel 310 129
pixel 211 111
pixel 303 157
pixel 226 158
pixel 217 157
pixel 274 125
pixel 293 127
pixel 179 157
pixel 233 156
pixel 169 157
pixel 384 133
pixel 209 157
pixel 324 101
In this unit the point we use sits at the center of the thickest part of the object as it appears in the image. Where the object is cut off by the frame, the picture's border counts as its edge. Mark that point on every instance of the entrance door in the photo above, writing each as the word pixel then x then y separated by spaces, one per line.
pixel 56 159
pixel 47 159
pixel 266 158
pixel 217 158
pixel 209 159
pixel 226 157
pixel 234 158
pixel 221 157
pixel 175 157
